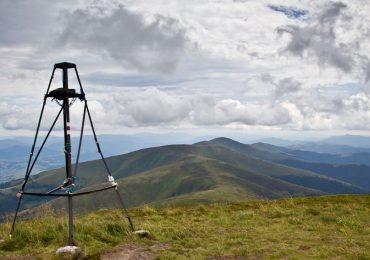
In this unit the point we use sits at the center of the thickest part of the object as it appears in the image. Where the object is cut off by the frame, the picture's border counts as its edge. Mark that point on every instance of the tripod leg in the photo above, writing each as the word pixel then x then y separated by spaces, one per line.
pixel 126 211
pixel 37 133
pixel 30 166
pixel 15 217
pixel 107 168
pixel 31 155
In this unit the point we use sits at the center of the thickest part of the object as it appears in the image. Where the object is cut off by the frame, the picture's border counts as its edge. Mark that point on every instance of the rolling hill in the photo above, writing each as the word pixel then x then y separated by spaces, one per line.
pixel 347 168
pixel 217 170
pixel 14 152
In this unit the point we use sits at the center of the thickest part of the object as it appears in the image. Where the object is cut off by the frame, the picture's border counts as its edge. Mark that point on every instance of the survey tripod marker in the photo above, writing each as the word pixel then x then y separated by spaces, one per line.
pixel 67 189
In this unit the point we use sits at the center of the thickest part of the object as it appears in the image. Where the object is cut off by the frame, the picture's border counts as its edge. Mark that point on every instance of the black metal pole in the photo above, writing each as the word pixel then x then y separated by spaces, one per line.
pixel 67 151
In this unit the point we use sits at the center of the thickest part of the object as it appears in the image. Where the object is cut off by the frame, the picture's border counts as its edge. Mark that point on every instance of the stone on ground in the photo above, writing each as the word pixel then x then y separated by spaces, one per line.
pixel 70 251
pixel 142 233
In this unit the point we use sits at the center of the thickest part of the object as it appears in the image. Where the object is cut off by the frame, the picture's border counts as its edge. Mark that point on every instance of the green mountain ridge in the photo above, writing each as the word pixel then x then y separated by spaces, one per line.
pixel 195 180
pixel 184 174
pixel 351 173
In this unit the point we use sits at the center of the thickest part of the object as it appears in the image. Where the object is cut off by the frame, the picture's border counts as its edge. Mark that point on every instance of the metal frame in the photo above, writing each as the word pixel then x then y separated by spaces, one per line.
pixel 64 94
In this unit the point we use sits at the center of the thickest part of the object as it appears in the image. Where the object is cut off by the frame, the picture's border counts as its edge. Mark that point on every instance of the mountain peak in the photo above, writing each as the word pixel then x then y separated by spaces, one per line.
pixel 223 140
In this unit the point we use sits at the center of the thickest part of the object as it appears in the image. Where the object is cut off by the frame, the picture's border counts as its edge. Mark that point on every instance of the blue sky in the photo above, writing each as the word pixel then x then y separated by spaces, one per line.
pixel 272 67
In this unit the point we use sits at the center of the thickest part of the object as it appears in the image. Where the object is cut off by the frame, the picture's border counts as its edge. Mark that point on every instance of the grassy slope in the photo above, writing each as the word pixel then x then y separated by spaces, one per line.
pixel 93 172
pixel 358 175
pixel 301 228
pixel 346 169
pixel 345 175
pixel 195 180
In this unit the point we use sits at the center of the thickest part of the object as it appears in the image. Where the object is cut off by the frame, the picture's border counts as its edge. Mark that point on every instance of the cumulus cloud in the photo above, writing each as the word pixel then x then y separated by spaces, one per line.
pixel 154 107
pixel 313 110
pixel 286 86
pixel 233 111
pixel 220 82
pixel 301 110
pixel 14 117
pixel 282 87
pixel 318 39
pixel 126 37
pixel 23 114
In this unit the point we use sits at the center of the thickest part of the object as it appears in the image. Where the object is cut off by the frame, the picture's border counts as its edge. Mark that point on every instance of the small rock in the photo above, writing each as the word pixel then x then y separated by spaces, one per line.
pixel 142 233
pixel 72 251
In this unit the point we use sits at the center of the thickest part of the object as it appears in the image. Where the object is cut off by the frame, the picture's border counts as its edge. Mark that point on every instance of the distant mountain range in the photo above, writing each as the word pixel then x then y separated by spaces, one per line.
pixel 14 152
pixel 350 140
pixel 209 171
pixel 344 145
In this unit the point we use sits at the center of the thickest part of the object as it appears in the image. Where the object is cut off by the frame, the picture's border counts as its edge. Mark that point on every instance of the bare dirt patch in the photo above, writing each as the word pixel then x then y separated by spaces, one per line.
pixel 134 252
pixel 226 258
pixel 17 258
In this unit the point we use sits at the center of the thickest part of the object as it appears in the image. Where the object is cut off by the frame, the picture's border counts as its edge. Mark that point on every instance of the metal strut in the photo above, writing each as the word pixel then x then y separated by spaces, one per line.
pixel 66 194
pixel 107 168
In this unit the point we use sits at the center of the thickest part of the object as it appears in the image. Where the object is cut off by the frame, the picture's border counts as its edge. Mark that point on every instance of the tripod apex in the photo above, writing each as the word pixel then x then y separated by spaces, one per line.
pixel 63 65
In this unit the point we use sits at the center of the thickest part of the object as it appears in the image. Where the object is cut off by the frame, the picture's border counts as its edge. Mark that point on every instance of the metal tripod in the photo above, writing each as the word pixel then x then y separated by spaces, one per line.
pixel 63 96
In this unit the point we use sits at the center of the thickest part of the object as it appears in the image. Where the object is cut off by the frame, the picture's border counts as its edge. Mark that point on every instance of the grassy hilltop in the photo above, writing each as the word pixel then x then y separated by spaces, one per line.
pixel 295 228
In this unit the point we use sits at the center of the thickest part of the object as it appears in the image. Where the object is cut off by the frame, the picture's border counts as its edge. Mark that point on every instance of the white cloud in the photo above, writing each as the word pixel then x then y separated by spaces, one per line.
pixel 15 117
pixel 225 60
pixel 318 39
pixel 315 111
pixel 125 36
pixel 153 107
pixel 229 111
